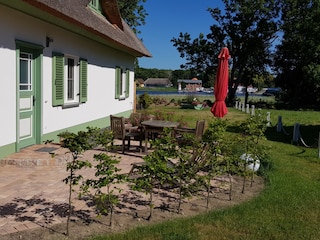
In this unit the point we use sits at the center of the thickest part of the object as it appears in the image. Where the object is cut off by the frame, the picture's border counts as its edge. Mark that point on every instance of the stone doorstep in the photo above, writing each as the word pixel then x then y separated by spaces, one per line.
pixel 56 161
pixel 30 157
pixel 39 156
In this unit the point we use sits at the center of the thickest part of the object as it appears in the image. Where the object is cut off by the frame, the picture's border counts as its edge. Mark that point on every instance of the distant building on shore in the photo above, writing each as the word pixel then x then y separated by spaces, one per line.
pixel 157 82
pixel 191 85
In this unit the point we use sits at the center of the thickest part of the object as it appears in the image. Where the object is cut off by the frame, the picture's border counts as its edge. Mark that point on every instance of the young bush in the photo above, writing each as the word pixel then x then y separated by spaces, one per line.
pixel 214 136
pixel 254 132
pixel 185 175
pixel 107 177
pixel 106 173
pixel 156 170
pixel 76 143
pixel 145 100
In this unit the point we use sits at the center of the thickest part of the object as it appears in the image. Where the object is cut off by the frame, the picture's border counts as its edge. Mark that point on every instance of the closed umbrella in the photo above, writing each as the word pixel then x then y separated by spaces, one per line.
pixel 219 108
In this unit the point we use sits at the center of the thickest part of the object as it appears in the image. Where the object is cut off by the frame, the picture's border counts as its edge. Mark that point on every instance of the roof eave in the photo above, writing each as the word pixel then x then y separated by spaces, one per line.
pixel 88 32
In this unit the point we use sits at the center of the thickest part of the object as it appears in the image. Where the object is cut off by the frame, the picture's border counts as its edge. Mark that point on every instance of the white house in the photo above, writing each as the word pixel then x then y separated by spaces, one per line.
pixel 65 65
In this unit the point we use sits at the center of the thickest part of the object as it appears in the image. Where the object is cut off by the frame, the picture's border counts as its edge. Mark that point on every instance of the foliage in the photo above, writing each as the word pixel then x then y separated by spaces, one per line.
pixel 137 117
pixel 146 73
pixel 76 143
pixel 290 198
pixel 133 13
pixel 181 74
pixel 297 62
pixel 101 137
pixel 145 100
pixel 107 176
pixel 155 171
pixel 189 99
pixel 254 132
pixel 222 156
pixel 247 28
pixel 185 173
pixel 159 100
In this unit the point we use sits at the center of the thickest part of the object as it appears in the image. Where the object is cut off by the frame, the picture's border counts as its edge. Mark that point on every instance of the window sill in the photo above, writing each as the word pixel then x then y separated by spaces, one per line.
pixel 70 105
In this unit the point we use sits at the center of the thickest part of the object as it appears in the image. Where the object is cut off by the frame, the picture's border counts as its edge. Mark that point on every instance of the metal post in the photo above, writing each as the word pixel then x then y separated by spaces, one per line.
pixel 252 110
pixel 268 119
pixel 319 146
pixel 279 124
pixel 296 133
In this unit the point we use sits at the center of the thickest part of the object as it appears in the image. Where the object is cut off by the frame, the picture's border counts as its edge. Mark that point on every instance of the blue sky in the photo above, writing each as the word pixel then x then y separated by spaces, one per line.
pixel 166 19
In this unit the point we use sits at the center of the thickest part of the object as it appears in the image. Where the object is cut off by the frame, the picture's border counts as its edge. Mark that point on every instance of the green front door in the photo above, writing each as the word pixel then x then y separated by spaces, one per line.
pixel 29 96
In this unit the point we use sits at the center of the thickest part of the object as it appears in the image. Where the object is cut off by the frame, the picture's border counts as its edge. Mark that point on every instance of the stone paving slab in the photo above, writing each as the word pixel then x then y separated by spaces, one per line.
pixel 33 193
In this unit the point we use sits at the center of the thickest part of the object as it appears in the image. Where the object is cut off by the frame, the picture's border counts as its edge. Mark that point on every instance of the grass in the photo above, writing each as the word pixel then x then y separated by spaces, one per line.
pixel 288 208
pixel 157 89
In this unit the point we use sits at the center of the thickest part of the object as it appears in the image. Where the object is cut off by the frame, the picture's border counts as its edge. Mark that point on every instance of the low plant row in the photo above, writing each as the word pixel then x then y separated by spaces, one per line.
pixel 183 164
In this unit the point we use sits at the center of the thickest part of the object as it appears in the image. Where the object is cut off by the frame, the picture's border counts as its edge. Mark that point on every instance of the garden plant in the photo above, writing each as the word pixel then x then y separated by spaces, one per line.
pixel 77 143
pixel 291 173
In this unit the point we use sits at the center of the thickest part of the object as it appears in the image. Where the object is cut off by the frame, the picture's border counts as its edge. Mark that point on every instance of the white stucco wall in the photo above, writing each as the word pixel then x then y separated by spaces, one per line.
pixel 101 74
pixel 7 96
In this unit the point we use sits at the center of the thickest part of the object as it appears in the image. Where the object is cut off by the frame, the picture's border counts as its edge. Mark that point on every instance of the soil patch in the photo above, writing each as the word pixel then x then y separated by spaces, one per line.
pixel 133 211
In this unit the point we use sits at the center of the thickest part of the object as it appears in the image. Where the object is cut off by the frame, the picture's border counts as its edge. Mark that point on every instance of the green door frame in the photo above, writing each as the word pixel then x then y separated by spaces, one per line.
pixel 37 52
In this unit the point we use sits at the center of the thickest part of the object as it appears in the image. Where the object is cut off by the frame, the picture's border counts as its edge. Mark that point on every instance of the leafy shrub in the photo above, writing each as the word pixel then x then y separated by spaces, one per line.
pixel 189 99
pixel 145 100
pixel 159 100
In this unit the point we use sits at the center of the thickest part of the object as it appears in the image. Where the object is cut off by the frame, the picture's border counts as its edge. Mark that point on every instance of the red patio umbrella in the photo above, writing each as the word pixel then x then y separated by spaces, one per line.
pixel 219 108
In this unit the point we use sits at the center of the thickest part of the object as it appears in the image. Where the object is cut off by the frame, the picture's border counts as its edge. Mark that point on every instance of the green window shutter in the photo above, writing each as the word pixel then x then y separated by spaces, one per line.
pixel 57 79
pixel 127 82
pixel 83 80
pixel 118 82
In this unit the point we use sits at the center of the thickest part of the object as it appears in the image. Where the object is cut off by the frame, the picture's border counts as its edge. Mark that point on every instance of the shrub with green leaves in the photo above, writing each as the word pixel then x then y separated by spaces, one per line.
pixel 145 100
pixel 77 143
pixel 214 136
pixel 108 176
pixel 156 169
pixel 254 139
pixel 185 175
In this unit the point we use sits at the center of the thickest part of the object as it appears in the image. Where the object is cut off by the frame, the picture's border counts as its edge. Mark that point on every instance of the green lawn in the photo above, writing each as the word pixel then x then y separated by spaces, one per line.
pixel 289 206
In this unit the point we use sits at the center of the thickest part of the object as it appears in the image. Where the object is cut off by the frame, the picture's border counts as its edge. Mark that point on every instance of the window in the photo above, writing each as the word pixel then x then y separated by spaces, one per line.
pixel 122 83
pixel 95 5
pixel 25 83
pixel 69 80
pixel 72 80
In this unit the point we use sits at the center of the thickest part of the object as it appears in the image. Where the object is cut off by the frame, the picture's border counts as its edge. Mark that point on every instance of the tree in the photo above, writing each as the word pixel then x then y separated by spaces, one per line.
pixel 180 74
pixel 297 59
pixel 247 28
pixel 198 55
pixel 146 73
pixel 133 13
pixel 107 177
pixel 156 170
pixel 77 143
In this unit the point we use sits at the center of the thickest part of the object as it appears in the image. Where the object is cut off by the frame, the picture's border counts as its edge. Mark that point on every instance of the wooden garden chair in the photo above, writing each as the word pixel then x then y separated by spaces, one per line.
pixel 117 125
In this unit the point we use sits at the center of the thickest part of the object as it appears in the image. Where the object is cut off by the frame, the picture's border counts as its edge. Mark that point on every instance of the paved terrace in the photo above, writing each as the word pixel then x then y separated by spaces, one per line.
pixel 33 194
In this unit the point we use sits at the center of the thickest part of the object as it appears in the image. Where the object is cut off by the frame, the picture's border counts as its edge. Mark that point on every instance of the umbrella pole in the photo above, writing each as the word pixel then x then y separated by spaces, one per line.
pixel 319 146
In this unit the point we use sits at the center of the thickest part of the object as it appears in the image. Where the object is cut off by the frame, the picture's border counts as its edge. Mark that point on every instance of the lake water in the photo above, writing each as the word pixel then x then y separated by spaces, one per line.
pixel 174 93
pixel 187 93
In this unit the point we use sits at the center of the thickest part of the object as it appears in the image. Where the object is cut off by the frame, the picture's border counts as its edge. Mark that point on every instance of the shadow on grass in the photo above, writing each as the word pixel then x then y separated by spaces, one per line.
pixel 309 135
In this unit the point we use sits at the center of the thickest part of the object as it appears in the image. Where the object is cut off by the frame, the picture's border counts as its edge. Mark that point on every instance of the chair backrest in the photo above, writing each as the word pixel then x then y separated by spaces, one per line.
pixel 199 155
pixel 117 127
pixel 199 129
